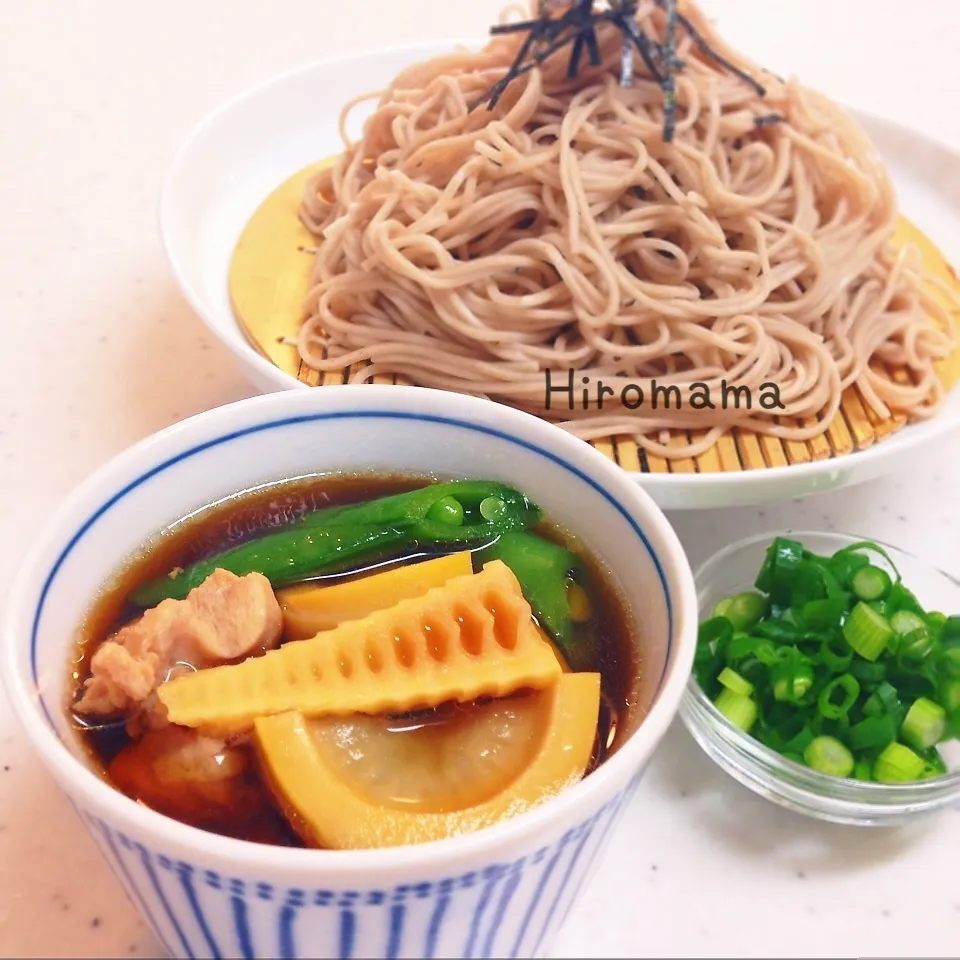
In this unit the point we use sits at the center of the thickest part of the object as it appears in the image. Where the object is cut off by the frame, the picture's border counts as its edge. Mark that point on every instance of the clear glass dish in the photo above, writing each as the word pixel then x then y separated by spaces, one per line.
pixel 783 781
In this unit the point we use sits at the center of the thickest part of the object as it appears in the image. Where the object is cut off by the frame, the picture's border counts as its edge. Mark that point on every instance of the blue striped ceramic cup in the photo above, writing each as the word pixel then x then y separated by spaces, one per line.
pixel 500 892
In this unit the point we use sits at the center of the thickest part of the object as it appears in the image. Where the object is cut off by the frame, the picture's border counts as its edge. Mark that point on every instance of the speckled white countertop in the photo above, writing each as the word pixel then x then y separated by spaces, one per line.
pixel 98 350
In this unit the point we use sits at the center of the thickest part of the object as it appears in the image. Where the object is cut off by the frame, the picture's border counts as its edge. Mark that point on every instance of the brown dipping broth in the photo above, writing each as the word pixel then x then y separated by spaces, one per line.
pixel 247 810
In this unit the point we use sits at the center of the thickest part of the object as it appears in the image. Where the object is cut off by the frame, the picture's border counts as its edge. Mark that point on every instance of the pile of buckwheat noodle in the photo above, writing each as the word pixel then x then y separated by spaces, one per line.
pixel 472 250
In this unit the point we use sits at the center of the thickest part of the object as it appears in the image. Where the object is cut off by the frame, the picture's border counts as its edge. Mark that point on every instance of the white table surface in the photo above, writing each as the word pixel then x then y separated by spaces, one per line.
pixel 98 350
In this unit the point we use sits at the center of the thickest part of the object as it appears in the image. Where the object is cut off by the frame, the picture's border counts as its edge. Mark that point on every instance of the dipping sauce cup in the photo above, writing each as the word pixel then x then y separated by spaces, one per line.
pixel 500 892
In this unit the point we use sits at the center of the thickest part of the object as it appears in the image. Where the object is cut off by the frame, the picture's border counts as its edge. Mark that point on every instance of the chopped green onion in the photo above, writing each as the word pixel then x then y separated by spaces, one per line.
pixel 848 688
pixel 791 681
pixel 765 573
pixel 742 645
pixel 807 584
pixel 901 598
pixel 830 756
pixel 835 590
pixel 740 710
pixel 950 661
pixel 950 632
pixel 733 681
pixel 753 670
pixel 906 621
pixel 844 563
pixel 822 614
pixel 884 700
pixel 953 726
pixel 776 576
pixel 769 654
pixel 880 606
pixel 712 639
pixel 867 672
pixel 872 733
pixel 835 654
pixel 723 605
pixel 870 583
pixel 917 680
pixel 924 725
pixel 821 660
pixel 782 631
pixel 798 742
pixel 866 631
pixel 783 717
pixel 914 647
pixel 897 764
pixel 933 764
pixel 871 546
pixel 715 632
pixel 873 706
pixel 838 727
pixel 950 694
pixel 789 617
pixel 863 769
pixel 745 610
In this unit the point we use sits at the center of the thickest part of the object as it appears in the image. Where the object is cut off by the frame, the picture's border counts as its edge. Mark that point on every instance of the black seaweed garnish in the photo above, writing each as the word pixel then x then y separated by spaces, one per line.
pixel 671 65
pixel 769 119
pixel 576 28
pixel 707 50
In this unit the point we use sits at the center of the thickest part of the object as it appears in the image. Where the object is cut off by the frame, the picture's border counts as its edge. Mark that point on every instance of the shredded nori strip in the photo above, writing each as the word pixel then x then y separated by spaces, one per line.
pixel 645 46
pixel 712 54
pixel 547 35
pixel 576 28
pixel 669 84
pixel 769 119
pixel 581 19
pixel 626 62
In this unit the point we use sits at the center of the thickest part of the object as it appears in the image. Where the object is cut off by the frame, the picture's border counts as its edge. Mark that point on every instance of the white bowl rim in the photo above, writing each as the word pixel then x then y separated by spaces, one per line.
pixel 122 811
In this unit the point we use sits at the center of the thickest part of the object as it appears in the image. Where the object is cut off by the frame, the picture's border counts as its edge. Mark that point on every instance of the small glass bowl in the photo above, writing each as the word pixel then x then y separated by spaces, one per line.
pixel 773 776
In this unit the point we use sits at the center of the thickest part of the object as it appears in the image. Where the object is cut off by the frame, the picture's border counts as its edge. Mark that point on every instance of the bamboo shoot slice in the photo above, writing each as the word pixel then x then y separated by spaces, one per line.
pixel 329 811
pixel 473 637
pixel 309 608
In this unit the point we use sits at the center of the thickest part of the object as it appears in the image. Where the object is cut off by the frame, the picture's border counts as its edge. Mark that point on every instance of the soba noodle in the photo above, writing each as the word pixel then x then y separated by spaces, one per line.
pixel 474 250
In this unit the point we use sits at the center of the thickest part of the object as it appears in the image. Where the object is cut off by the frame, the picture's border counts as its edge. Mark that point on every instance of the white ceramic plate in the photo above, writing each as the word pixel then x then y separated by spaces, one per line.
pixel 241 152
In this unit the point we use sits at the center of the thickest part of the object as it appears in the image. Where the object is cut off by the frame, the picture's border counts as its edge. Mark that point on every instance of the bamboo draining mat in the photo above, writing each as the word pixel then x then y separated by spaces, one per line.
pixel 268 282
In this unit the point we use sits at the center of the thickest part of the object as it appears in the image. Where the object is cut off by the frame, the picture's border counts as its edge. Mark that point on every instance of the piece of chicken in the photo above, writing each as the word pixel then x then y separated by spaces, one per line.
pixel 202 781
pixel 224 619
